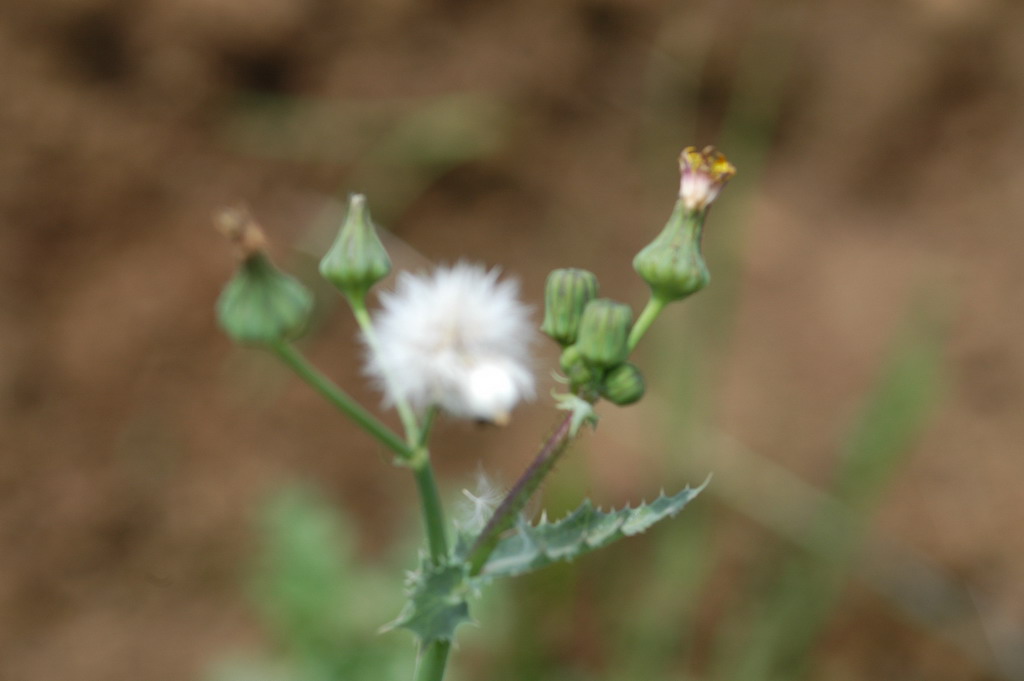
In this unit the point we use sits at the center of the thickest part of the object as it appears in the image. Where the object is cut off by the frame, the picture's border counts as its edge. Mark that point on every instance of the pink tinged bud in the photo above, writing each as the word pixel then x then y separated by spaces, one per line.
pixel 702 176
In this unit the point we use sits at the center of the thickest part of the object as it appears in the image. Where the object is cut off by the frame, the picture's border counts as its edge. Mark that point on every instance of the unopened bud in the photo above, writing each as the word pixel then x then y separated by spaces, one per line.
pixel 262 305
pixel 575 367
pixel 357 259
pixel 604 332
pixel 673 265
pixel 623 384
pixel 566 294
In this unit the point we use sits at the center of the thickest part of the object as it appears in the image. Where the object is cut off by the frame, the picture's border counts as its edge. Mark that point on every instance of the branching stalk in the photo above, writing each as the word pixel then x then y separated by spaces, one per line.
pixel 650 312
pixel 342 400
pixel 404 409
pixel 430 503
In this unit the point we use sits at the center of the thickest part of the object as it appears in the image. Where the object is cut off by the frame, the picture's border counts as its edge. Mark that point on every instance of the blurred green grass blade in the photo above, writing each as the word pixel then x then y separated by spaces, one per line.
pixel 653 618
pixel 894 415
pixel 786 618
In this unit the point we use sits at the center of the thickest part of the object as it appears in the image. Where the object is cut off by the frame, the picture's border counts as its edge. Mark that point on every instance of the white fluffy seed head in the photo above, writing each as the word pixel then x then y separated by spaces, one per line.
pixel 458 338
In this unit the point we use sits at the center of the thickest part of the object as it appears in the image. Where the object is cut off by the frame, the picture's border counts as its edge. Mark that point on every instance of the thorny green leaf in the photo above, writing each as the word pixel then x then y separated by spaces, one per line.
pixel 437 603
pixel 587 528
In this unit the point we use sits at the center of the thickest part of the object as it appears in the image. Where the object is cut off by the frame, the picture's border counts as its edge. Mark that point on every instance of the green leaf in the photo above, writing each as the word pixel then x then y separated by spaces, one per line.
pixel 437 603
pixel 532 547
pixel 302 580
pixel 319 605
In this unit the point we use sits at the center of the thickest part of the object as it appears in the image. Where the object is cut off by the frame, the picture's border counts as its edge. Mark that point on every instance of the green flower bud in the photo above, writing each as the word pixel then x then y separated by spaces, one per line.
pixel 673 265
pixel 623 384
pixel 566 294
pixel 357 259
pixel 575 367
pixel 262 305
pixel 604 331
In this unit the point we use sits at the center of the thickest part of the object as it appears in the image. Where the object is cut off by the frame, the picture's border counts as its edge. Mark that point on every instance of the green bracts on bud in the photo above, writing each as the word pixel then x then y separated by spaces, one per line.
pixel 604 332
pixel 623 384
pixel 262 305
pixel 357 259
pixel 566 293
pixel 673 265
pixel 575 367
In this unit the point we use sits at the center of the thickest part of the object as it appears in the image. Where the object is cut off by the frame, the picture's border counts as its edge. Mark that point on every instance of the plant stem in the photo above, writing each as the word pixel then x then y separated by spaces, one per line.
pixel 414 452
pixel 432 662
pixel 405 412
pixel 340 399
pixel 430 503
pixel 434 657
pixel 427 426
pixel 650 312
pixel 520 493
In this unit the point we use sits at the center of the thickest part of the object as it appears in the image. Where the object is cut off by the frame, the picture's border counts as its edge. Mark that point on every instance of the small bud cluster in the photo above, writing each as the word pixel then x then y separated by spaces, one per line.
pixel 594 335
pixel 592 331
pixel 597 334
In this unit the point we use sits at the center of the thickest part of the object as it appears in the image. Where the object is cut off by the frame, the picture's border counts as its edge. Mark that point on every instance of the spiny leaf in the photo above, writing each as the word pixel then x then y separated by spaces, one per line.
pixel 437 603
pixel 533 546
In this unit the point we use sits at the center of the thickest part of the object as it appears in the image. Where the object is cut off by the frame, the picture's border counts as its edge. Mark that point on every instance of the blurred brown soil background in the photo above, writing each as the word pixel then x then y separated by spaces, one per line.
pixel 137 442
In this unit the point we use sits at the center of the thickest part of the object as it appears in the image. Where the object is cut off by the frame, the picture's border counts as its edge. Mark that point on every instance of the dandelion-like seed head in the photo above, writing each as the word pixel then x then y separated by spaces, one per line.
pixel 702 176
pixel 457 338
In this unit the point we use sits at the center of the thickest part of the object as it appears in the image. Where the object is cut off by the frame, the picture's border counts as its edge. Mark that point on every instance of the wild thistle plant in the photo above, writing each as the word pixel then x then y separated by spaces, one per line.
pixel 458 340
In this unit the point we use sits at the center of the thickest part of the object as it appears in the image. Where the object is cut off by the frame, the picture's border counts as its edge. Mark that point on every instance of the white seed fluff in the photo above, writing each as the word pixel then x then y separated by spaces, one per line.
pixel 457 338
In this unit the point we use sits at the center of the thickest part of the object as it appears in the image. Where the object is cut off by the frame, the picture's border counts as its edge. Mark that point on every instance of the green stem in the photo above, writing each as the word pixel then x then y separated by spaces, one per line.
pixel 419 459
pixel 430 503
pixel 427 426
pixel 650 312
pixel 433 659
pixel 405 411
pixel 340 399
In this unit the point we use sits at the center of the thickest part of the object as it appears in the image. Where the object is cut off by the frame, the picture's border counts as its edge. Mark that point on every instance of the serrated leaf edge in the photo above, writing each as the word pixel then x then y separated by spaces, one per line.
pixel 628 521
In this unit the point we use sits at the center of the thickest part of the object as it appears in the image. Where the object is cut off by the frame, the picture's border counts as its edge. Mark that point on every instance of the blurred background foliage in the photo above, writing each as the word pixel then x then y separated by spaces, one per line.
pixel 852 377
